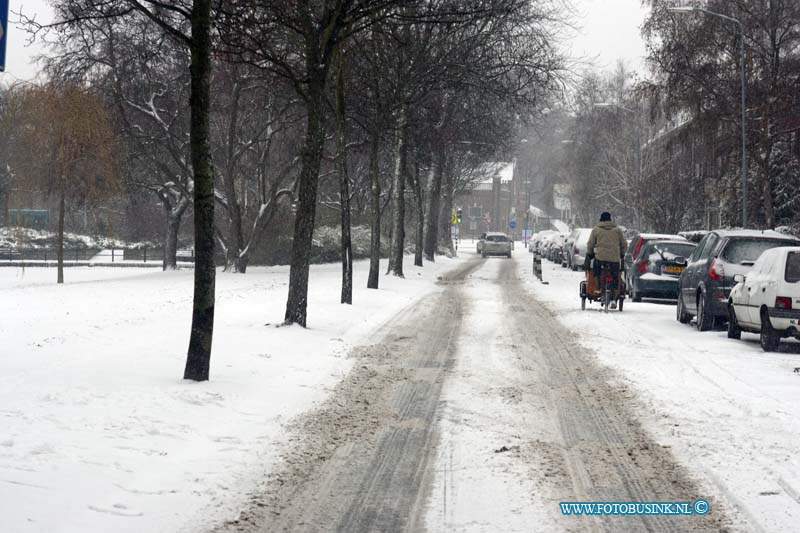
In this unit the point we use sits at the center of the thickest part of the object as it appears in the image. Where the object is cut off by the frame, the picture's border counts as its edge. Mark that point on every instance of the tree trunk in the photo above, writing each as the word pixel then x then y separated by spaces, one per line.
pixel 5 184
pixel 375 200
pixel 434 203
pixel 198 358
pixel 60 243
pixel 766 183
pixel 344 185
pixel 420 207
pixel 447 209
pixel 235 240
pixel 241 262
pixel 398 225
pixel 297 301
pixel 170 261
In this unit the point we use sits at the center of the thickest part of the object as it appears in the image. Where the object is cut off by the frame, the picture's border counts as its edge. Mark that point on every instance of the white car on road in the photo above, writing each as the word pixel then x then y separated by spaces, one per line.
pixel 767 299
pixel 497 243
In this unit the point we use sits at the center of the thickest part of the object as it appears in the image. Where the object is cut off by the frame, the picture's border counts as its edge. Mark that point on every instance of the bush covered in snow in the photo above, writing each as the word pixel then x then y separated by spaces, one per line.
pixel 33 239
pixel 793 230
pixel 325 247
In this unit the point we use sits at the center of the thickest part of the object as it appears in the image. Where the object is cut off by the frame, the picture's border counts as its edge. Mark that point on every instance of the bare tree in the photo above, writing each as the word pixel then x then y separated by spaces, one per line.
pixel 697 64
pixel 68 146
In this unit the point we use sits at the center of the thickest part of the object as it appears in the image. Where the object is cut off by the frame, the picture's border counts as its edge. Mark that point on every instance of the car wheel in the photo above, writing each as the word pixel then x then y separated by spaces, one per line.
pixel 636 296
pixel 705 321
pixel 734 331
pixel 770 339
pixel 681 315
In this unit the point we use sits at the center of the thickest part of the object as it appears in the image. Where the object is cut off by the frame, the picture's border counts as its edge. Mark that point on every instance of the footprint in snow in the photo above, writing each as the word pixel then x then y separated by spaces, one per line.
pixel 117 511
pixel 42 449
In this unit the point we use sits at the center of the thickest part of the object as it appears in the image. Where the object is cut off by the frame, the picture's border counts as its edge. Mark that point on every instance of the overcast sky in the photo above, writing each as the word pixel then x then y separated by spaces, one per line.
pixel 19 62
pixel 608 30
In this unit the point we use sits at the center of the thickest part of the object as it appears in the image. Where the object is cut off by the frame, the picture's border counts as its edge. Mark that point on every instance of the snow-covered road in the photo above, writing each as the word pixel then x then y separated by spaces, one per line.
pixel 728 411
pixel 487 399
pixel 530 418
pixel 524 419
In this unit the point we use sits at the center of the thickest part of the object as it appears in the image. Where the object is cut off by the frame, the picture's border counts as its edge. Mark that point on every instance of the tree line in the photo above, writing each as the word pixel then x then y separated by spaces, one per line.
pixel 663 148
pixel 250 114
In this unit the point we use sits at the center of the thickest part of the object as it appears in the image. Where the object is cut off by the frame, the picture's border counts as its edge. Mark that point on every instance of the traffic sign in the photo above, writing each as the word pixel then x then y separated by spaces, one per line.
pixel 3 33
pixel 512 224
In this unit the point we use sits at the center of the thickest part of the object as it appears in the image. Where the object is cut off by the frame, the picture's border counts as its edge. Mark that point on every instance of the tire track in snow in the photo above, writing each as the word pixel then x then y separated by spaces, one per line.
pixel 361 460
pixel 609 455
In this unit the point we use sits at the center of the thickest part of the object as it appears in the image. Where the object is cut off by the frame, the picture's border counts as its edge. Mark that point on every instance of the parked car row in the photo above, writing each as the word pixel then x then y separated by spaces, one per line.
pixel 747 278
pixel 722 262
pixel 574 254
pixel 549 243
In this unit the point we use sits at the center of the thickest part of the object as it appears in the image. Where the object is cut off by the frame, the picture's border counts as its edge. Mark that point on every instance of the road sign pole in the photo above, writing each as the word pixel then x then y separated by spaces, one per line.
pixel 3 33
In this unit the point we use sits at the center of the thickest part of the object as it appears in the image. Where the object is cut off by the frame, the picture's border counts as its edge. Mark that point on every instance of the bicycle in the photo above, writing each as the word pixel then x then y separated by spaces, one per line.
pixel 599 289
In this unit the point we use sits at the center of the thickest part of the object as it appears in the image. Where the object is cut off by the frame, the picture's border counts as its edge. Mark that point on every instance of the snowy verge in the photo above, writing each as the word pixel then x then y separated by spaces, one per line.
pixel 99 433
pixel 729 411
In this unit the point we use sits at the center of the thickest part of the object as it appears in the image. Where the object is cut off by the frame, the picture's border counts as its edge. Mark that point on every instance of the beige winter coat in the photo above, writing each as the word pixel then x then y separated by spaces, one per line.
pixel 607 242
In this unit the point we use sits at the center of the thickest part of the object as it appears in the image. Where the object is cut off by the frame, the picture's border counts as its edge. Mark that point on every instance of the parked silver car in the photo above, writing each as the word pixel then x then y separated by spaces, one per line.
pixel 577 253
pixel 497 243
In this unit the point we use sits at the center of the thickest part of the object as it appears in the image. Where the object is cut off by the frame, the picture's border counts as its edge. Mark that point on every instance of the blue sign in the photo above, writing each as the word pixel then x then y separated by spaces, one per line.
pixel 512 224
pixel 3 33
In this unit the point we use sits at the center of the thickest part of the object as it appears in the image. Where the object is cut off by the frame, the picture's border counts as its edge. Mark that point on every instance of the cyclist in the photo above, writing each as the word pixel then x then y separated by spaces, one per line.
pixel 607 246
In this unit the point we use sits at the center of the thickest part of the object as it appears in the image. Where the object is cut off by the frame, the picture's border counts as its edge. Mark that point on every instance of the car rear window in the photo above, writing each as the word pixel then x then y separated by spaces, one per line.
pixel 497 238
pixel 792 267
pixel 739 250
pixel 671 250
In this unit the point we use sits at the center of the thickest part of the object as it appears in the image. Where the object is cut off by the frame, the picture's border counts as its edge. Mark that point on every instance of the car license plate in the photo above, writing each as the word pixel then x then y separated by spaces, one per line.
pixel 672 269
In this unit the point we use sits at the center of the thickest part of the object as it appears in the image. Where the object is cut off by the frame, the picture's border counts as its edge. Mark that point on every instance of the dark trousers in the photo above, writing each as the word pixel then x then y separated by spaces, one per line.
pixel 613 267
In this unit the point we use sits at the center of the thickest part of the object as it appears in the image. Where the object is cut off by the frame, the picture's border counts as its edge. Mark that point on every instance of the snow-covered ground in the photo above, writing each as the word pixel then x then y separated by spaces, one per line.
pixel 729 411
pixel 97 430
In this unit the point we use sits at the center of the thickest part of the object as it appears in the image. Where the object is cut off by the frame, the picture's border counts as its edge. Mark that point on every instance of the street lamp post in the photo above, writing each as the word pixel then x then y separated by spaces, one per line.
pixel 740 26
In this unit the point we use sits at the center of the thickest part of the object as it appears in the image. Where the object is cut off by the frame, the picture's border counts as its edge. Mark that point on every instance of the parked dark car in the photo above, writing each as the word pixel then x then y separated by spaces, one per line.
pixel 635 245
pixel 657 269
pixel 706 283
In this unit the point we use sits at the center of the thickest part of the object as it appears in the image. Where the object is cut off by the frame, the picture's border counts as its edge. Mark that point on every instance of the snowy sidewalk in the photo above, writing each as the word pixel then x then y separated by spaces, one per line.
pixel 99 433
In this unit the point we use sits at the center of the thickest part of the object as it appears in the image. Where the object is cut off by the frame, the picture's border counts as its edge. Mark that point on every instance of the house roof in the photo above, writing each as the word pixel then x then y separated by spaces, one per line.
pixel 497 168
